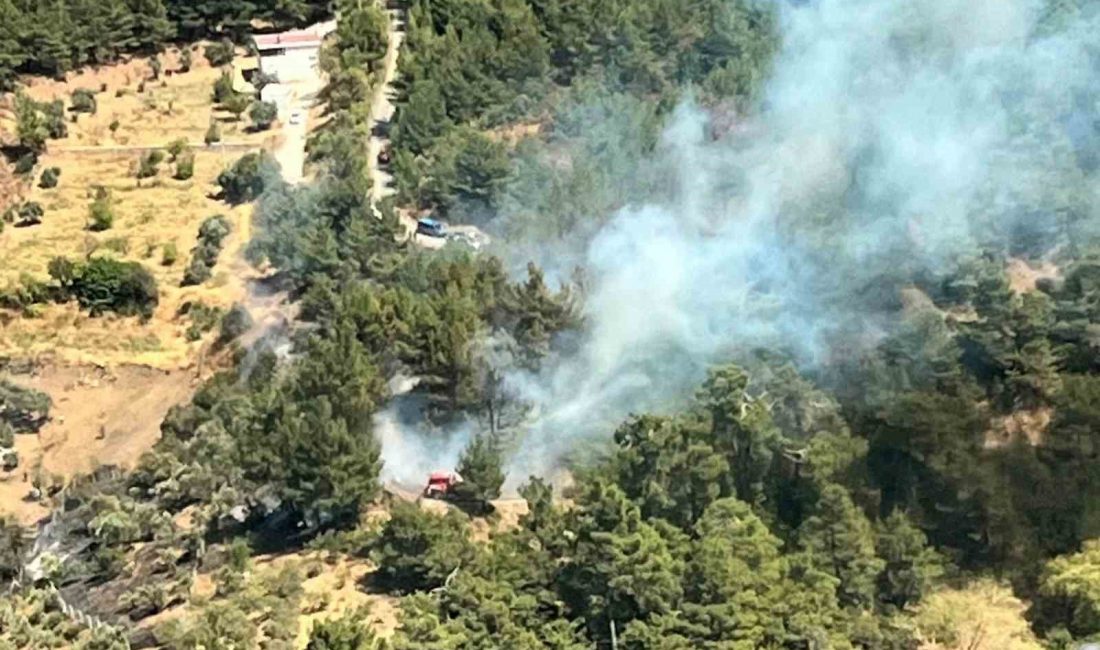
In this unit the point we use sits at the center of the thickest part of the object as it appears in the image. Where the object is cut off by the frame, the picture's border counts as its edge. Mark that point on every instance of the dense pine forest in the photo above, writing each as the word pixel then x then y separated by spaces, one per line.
pixel 915 418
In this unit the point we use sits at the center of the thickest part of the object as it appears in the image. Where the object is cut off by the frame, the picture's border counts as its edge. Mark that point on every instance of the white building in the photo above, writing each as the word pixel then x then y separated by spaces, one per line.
pixel 289 56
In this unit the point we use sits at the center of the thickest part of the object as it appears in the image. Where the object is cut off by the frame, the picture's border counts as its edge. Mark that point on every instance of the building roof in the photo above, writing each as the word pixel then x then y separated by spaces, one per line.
pixel 294 38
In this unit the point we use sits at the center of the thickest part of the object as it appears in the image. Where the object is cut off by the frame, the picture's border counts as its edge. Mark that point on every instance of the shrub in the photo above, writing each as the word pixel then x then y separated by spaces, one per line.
pixel 223 88
pixel 25 164
pixel 236 321
pixel 113 126
pixel 176 147
pixel 49 177
pixel 237 104
pixel 185 167
pixel 101 215
pixel 220 53
pixel 196 272
pixel 24 410
pixel 214 230
pixel 213 133
pixel 155 66
pixel 104 284
pixel 147 164
pixel 263 114
pixel 53 114
pixel 247 178
pixel 417 550
pixel 185 59
pixel 29 213
pixel 169 254
pixel 83 101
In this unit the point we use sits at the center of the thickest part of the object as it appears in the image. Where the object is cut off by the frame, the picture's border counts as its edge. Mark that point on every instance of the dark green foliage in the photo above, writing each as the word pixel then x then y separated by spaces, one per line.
pixel 185 166
pixel 25 164
pixel 417 550
pixel 49 178
pixel 263 114
pixel 148 163
pixel 839 541
pixel 219 53
pixel 102 284
pixel 236 321
pixel 203 318
pixel 351 632
pixel 911 566
pixel 482 467
pixel 246 179
pixel 204 256
pixel 223 87
pixel 25 410
pixel 237 104
pixel 83 101
pixel 101 214
pixel 27 213
pixel 185 59
pixel 213 133
pixel 13 546
pixel 30 126
pixel 1069 593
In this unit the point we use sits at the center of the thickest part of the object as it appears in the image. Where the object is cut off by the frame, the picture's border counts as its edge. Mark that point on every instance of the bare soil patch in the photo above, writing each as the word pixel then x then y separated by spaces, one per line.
pixel 99 417
pixel 1023 276
pixel 1027 426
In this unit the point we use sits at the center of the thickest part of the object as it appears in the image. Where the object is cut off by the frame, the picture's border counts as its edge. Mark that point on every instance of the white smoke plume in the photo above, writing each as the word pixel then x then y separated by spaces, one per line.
pixel 896 137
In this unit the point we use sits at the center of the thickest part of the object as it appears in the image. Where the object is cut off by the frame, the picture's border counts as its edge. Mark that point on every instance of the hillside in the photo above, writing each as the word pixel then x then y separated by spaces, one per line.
pixel 782 333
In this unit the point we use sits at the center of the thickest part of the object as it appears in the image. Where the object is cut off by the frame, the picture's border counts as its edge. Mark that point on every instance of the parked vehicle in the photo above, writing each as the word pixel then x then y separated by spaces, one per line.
pixel 431 228
pixel 442 485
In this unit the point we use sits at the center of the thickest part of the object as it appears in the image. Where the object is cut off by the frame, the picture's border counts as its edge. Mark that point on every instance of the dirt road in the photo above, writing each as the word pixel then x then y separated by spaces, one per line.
pixel 382 109
pixel 290 152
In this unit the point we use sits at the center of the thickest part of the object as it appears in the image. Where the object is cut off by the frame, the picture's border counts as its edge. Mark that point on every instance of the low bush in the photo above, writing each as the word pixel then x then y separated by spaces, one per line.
pixel 83 101
pixel 149 162
pixel 248 177
pixel 236 321
pixel 103 284
pixel 101 214
pixel 185 166
pixel 169 254
pixel 220 53
pixel 49 178
pixel 204 256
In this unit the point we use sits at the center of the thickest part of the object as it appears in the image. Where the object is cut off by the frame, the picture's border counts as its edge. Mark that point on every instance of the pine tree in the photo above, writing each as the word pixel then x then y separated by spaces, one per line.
pixel 840 542
pixel 911 566
pixel 481 466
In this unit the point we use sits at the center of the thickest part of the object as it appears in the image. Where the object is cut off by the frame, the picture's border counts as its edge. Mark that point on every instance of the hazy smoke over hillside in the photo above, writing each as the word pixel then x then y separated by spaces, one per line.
pixel 895 138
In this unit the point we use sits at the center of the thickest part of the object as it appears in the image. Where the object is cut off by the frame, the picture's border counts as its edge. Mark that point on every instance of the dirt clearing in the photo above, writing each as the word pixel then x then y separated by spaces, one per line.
pixel 99 417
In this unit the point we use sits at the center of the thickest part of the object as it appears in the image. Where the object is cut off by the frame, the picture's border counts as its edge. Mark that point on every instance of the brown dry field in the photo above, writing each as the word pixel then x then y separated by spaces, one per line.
pixel 150 214
pixel 99 417
pixel 112 378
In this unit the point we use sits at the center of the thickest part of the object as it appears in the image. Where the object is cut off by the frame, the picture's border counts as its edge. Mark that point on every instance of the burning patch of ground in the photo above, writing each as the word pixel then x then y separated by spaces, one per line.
pixel 99 417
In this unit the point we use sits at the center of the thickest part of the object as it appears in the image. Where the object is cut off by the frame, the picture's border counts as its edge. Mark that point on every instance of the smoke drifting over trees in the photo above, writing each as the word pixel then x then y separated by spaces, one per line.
pixel 894 141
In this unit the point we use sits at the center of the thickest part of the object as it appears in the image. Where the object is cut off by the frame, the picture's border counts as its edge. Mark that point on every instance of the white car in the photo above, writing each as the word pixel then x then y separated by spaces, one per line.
pixel 296 117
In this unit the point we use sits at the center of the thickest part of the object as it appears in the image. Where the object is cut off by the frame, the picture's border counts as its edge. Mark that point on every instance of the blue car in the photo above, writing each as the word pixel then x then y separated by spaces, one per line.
pixel 431 228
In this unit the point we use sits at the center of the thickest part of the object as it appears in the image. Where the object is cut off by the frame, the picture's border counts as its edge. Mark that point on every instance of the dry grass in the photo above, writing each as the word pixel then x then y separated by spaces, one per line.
pixel 99 417
pixel 176 106
pixel 982 616
pixel 149 215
